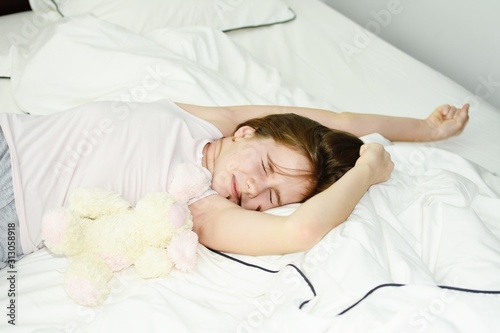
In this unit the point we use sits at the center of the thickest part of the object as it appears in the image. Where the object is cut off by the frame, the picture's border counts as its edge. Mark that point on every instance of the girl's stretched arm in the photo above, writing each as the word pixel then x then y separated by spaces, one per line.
pixel 225 226
pixel 445 121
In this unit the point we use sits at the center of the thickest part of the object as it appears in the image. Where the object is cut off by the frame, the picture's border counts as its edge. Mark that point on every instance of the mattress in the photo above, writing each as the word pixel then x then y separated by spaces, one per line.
pixel 420 253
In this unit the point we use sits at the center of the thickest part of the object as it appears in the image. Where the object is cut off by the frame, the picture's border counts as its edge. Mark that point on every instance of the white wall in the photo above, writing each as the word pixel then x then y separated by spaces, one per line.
pixel 459 38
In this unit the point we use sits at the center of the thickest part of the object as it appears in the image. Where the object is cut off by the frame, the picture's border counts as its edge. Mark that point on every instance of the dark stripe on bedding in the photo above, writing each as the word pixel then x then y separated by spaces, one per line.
pixel 370 292
pixel 467 290
pixel 243 262
pixel 294 16
pixel 57 8
pixel 304 277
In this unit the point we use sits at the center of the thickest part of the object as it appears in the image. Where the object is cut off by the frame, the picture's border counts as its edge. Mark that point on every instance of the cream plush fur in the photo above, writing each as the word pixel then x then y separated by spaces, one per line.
pixel 101 233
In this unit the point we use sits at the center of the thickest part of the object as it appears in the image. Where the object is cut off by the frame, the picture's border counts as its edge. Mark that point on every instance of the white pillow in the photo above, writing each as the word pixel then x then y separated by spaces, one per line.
pixel 142 16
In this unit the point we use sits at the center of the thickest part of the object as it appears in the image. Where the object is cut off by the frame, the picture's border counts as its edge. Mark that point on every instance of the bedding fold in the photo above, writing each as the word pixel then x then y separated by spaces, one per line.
pixel 82 59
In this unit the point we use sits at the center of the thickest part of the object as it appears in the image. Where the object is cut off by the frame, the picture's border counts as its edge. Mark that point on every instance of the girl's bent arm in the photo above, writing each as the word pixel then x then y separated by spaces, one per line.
pixel 224 226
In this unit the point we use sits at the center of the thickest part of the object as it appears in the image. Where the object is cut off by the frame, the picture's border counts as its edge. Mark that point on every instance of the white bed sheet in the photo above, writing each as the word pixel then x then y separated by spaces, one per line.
pixel 435 222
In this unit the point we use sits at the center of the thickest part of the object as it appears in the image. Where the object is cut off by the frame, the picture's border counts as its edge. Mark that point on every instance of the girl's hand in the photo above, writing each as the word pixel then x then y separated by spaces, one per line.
pixel 447 121
pixel 378 160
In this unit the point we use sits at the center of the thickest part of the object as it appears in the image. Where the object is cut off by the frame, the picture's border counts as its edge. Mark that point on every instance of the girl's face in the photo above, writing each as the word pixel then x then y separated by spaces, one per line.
pixel 255 173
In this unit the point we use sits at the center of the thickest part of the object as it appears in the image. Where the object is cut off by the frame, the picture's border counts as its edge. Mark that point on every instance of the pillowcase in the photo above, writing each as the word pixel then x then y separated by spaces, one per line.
pixel 142 16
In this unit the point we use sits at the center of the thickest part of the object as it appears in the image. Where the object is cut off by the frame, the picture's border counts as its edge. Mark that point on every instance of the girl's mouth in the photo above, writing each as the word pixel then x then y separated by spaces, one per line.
pixel 234 191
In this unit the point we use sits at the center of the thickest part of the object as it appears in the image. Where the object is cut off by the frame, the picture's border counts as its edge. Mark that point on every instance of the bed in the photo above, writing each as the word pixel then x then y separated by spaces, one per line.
pixel 420 253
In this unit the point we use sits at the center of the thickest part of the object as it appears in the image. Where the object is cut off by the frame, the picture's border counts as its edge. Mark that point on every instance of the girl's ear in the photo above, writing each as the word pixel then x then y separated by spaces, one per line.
pixel 244 132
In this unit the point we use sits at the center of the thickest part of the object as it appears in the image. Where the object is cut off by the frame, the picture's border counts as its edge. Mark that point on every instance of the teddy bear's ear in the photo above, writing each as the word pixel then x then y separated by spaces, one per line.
pixel 189 181
pixel 62 232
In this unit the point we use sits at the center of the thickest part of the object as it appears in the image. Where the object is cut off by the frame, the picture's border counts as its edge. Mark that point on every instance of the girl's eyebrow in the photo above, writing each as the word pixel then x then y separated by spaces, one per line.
pixel 270 162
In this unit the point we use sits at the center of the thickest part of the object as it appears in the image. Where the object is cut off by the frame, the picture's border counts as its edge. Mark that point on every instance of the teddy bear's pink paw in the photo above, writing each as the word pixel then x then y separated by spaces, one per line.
pixel 182 251
pixel 83 291
pixel 177 215
pixel 189 181
pixel 116 262
pixel 54 227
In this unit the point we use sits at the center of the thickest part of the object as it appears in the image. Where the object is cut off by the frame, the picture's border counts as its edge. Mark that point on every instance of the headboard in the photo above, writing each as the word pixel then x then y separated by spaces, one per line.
pixel 13 6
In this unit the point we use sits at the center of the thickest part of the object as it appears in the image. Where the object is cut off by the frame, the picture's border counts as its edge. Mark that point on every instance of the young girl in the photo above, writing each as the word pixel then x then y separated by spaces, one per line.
pixel 285 170
pixel 267 162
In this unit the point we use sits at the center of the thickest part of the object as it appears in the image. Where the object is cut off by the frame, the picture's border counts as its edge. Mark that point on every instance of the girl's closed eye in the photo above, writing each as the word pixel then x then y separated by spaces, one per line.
pixel 270 190
pixel 264 167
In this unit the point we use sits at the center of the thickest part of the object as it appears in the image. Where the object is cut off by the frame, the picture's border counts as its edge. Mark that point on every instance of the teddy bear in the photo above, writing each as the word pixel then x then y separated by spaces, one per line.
pixel 101 233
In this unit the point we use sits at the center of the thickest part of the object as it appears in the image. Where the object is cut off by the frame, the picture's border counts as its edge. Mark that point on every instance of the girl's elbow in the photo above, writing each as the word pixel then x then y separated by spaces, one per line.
pixel 306 236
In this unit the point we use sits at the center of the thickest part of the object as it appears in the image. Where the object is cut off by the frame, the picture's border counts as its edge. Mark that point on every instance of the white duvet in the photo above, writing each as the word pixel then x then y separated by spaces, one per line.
pixel 435 223
pixel 84 59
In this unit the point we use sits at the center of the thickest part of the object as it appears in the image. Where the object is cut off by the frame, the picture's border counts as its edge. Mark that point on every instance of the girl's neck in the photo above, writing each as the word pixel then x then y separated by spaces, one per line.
pixel 210 153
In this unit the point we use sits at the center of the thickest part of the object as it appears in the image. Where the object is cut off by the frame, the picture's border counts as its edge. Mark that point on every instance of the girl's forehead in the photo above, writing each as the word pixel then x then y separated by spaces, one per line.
pixel 286 158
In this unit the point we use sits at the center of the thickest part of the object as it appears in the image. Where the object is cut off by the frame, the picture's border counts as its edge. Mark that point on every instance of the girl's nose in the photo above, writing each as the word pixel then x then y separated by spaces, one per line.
pixel 254 187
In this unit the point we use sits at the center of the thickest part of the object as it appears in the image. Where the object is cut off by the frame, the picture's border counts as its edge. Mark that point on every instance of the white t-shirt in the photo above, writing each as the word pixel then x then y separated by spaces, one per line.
pixel 131 149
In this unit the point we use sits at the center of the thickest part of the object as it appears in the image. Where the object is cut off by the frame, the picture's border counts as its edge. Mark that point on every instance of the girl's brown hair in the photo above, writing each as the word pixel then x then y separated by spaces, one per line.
pixel 331 153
